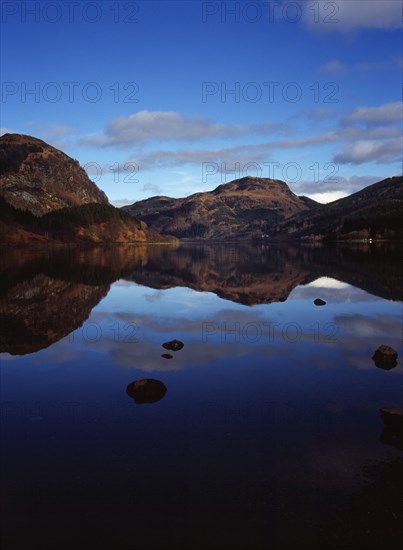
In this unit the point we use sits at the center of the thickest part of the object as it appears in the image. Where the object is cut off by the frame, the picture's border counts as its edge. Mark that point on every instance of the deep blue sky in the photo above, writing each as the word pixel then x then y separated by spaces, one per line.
pixel 317 91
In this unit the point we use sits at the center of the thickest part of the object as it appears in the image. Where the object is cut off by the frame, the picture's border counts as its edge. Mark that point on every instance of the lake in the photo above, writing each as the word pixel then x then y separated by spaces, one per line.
pixel 268 431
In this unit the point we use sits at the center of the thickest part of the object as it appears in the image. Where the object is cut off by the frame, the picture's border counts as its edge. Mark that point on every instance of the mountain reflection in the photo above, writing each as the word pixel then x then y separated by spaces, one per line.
pixel 253 275
pixel 47 294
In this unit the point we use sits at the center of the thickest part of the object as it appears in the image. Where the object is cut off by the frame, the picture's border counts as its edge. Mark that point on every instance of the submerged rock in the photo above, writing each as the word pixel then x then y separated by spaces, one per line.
pixel 393 427
pixel 173 345
pixel 167 356
pixel 319 302
pixel 146 390
pixel 385 357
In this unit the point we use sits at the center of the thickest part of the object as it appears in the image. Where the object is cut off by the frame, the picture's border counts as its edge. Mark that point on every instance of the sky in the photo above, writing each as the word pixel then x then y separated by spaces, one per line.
pixel 176 97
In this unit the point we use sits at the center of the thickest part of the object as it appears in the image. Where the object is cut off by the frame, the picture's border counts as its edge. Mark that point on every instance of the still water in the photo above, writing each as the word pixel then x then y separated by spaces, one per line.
pixel 268 433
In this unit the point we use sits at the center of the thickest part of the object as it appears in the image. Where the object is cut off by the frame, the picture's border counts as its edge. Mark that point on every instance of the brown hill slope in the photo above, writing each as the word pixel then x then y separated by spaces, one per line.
pixel 46 197
pixel 91 223
pixel 374 212
pixel 37 177
pixel 242 209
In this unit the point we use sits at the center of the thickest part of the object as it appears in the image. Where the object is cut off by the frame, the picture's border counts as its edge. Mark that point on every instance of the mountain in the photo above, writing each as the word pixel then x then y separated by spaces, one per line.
pixel 374 212
pixel 255 208
pixel 39 178
pixel 45 197
pixel 241 209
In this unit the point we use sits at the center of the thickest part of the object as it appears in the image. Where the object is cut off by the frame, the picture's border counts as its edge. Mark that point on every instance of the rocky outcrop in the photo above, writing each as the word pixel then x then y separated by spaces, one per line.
pixel 37 177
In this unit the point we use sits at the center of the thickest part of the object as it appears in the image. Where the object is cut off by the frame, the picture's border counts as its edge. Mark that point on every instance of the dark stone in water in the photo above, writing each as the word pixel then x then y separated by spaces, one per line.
pixel 319 302
pixel 385 357
pixel 173 345
pixel 393 427
pixel 146 390
pixel 167 356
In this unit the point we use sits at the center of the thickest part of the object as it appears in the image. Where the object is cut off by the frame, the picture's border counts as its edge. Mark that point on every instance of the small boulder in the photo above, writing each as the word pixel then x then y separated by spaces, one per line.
pixel 167 356
pixel 385 357
pixel 146 390
pixel 173 345
pixel 393 427
pixel 319 302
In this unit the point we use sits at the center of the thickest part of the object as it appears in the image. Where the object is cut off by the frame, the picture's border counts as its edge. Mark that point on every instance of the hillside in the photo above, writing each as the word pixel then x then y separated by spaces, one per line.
pixel 91 223
pixel 46 197
pixel 374 212
pixel 241 209
pixel 260 208
pixel 35 176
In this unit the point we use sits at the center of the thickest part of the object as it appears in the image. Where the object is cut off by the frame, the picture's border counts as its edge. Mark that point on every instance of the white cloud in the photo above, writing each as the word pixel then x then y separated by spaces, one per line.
pixel 57 135
pixel 350 15
pixel 364 134
pixel 388 112
pixel 122 202
pixel 146 126
pixel 334 67
pixel 385 65
pixel 326 197
pixel 154 188
pixel 321 113
pixel 372 327
pixel 327 282
pixel 370 132
pixel 371 151
pixel 336 187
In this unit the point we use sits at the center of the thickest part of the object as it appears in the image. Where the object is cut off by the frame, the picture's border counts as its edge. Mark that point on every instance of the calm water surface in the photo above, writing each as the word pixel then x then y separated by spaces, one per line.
pixel 269 434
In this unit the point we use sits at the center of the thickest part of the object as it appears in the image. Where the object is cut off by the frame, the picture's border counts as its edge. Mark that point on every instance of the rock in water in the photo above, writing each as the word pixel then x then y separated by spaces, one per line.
pixel 319 302
pixel 167 356
pixel 385 357
pixel 393 427
pixel 173 345
pixel 146 390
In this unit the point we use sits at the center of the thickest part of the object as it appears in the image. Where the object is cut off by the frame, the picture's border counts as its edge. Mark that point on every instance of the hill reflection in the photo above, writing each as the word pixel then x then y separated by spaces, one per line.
pixel 261 274
pixel 47 294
